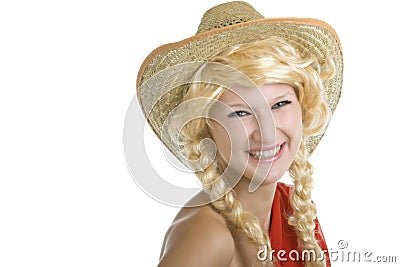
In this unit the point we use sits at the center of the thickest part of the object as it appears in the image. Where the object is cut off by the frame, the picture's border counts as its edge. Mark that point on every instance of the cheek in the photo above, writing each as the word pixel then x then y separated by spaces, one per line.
pixel 297 121
pixel 296 127
pixel 222 140
pixel 231 139
pixel 290 122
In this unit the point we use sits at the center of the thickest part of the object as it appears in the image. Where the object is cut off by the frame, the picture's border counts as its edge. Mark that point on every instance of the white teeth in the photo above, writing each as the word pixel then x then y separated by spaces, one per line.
pixel 265 153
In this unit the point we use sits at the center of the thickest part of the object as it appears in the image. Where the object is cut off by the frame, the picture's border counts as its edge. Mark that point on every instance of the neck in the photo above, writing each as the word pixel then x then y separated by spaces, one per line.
pixel 259 202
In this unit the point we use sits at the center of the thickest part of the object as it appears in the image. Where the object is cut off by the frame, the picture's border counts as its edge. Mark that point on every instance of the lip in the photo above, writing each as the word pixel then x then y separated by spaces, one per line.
pixel 268 160
pixel 265 148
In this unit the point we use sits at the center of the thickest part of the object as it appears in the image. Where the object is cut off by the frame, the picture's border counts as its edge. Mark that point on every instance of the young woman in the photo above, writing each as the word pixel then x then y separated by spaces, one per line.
pixel 259 99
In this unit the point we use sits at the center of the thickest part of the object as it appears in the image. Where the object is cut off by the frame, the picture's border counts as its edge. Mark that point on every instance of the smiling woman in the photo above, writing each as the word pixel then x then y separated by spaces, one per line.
pixel 262 91
pixel 265 138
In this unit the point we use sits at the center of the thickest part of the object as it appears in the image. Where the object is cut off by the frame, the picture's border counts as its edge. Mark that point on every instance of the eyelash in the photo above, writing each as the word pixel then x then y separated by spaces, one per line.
pixel 281 104
pixel 237 114
pixel 241 113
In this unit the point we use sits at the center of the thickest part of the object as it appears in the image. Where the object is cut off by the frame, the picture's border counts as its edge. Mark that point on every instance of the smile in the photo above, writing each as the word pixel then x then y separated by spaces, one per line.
pixel 266 154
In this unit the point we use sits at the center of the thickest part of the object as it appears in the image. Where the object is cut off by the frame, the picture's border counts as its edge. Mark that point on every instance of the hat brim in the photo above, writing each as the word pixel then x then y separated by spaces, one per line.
pixel 159 74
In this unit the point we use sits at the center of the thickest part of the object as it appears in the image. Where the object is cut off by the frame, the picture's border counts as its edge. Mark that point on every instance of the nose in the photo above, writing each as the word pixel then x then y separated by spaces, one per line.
pixel 263 128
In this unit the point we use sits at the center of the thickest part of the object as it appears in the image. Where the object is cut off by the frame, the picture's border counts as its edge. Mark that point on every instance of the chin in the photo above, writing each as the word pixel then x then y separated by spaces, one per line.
pixel 272 177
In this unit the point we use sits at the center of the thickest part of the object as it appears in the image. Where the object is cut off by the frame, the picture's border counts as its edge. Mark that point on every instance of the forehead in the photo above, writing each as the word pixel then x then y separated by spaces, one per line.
pixel 268 92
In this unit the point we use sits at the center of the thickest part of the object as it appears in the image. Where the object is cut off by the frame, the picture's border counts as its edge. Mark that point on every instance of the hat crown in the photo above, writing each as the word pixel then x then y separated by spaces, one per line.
pixel 227 14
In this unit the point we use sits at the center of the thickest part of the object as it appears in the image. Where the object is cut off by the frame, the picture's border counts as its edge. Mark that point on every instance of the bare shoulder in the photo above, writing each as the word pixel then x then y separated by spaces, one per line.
pixel 197 237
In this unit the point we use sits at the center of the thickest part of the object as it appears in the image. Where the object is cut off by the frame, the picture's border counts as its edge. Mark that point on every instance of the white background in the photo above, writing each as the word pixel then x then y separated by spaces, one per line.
pixel 67 75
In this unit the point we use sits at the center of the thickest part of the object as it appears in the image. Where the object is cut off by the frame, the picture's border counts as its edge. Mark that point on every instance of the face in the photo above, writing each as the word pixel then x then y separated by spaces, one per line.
pixel 258 131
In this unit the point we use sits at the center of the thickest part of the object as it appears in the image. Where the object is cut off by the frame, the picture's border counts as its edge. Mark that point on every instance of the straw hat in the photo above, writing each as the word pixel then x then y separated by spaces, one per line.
pixel 221 27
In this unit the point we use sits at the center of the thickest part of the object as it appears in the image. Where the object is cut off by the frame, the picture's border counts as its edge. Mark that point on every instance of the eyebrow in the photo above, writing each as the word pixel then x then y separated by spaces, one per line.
pixel 236 105
pixel 283 96
pixel 273 100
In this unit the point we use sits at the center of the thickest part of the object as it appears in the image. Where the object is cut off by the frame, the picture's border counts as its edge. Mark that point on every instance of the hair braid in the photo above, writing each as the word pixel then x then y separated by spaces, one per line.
pixel 304 211
pixel 225 202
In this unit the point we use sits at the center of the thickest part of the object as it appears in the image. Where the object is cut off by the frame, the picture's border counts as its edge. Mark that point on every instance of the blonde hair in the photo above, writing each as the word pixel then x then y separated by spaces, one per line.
pixel 266 61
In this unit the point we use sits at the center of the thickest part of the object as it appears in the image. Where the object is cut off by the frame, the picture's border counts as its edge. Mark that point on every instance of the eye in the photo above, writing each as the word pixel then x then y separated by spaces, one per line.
pixel 239 113
pixel 281 104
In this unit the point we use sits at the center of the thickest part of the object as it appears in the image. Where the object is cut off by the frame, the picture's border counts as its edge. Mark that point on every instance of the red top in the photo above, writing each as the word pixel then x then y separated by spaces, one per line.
pixel 283 236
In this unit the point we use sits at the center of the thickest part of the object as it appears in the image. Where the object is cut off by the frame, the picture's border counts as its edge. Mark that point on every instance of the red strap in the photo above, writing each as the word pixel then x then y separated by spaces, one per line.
pixel 283 236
